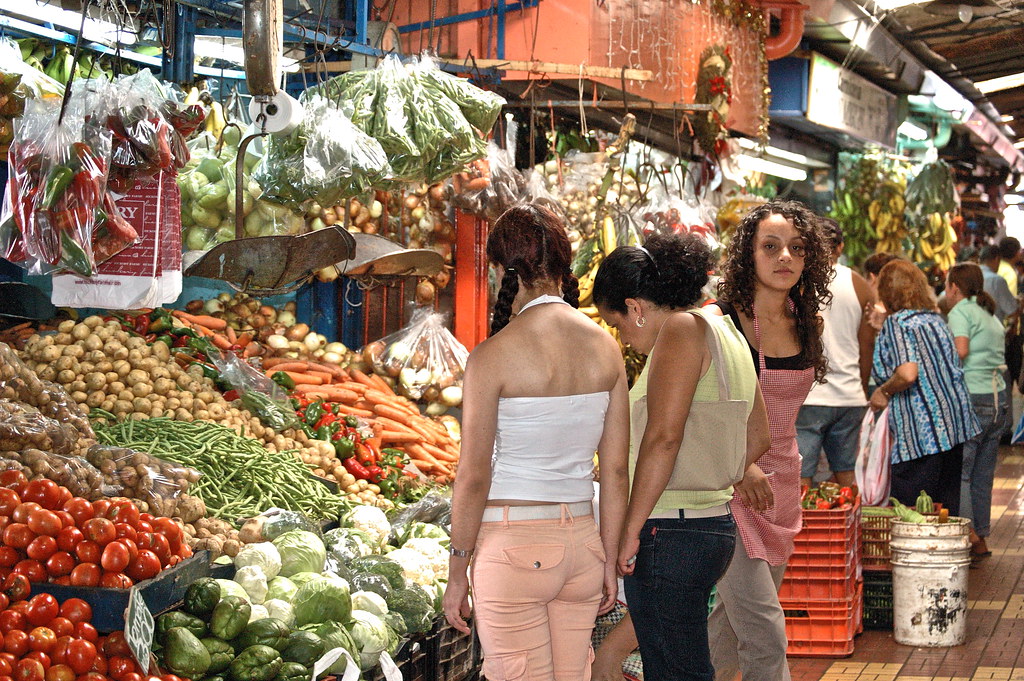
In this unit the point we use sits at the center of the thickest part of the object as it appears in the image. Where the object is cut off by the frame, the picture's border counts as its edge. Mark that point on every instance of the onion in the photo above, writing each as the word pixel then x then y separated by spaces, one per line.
pixel 412 201
pixel 442 278
pixel 314 341
pixel 336 348
pixel 332 357
pixel 297 332
pixel 213 306
pixel 268 312
pixel 277 342
pixel 372 352
pixel 436 409
pixel 437 193
pixel 451 396
pixel 425 292
pixel 285 318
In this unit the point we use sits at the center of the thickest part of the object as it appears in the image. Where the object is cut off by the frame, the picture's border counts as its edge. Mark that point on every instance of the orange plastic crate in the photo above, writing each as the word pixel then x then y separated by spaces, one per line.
pixel 823 628
pixel 817 583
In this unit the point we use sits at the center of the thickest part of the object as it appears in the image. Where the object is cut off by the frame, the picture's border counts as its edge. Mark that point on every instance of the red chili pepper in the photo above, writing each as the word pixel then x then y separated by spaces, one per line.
pixel 365 454
pixel 376 474
pixel 140 324
pixel 355 468
pixel 231 395
pixel 824 504
pixel 325 420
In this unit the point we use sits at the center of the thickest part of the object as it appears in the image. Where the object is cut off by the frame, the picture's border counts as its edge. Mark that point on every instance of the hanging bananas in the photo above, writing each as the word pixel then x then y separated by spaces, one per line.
pixel 930 200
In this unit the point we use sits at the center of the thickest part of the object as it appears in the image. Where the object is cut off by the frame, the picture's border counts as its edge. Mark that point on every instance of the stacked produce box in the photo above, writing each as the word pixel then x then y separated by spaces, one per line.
pixel 821 592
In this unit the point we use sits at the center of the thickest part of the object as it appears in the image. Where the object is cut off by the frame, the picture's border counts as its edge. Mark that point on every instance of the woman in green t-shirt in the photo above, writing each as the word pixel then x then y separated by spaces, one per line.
pixel 979 342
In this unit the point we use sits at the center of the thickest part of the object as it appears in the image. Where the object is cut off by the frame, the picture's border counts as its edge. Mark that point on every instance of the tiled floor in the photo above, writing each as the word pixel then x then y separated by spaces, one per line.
pixel 995 621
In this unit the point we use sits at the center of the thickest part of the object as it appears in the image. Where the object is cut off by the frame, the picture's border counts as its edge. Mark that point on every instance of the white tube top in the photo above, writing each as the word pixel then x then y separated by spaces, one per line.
pixel 544 447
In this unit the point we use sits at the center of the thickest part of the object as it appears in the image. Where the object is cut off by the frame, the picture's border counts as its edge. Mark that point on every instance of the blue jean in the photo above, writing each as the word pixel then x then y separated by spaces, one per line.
pixel 980 454
pixel 834 429
pixel 678 563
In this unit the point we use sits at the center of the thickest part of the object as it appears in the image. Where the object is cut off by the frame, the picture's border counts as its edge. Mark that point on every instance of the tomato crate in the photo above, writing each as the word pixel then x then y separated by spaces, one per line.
pixel 878 600
pixel 453 656
pixel 874 534
pixel 161 593
pixel 823 628
pixel 819 583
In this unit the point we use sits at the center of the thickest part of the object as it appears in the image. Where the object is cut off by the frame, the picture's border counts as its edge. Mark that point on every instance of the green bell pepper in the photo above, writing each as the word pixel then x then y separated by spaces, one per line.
pixel 344 447
pixel 57 182
pixel 283 380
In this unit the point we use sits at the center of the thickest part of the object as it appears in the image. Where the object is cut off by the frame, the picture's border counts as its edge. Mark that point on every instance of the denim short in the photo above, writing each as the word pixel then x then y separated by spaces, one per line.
pixel 834 429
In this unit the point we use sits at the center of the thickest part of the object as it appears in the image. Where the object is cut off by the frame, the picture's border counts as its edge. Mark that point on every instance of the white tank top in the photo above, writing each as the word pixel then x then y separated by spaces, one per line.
pixel 839 336
pixel 544 446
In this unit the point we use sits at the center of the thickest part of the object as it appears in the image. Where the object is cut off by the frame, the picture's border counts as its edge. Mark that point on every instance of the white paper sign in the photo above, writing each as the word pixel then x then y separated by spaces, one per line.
pixel 138 628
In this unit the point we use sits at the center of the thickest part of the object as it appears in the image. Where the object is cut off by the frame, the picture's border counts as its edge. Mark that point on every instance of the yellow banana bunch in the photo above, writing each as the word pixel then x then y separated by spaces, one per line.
pixel 192 97
pixel 609 240
pixel 215 121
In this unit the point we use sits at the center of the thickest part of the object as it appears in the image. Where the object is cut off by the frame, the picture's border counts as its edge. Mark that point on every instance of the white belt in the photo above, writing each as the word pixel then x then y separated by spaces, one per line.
pixel 496 514
pixel 684 513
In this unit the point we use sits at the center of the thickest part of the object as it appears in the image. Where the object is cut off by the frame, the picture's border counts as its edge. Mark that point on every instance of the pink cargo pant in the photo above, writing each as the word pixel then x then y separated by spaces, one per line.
pixel 537 585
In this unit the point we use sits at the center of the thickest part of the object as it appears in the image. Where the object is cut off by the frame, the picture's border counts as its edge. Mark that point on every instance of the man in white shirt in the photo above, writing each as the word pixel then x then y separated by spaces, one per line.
pixel 831 416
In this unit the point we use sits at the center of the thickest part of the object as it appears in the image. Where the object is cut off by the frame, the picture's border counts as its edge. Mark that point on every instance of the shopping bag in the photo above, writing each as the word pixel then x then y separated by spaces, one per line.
pixel 873 462
pixel 1018 432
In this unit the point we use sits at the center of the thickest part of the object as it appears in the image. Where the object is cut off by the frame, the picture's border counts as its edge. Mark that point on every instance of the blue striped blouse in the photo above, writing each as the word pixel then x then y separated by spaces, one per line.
pixel 933 415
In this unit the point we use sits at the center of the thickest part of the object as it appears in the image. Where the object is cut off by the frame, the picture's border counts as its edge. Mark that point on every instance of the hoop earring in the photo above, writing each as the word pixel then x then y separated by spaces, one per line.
pixel 640 321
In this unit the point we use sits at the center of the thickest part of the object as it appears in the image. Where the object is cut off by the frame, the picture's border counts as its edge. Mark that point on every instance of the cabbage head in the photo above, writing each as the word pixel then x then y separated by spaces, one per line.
pixel 300 578
pixel 301 551
pixel 282 610
pixel 231 588
pixel 263 555
pixel 281 588
pixel 345 544
pixel 371 635
pixel 323 600
pixel 258 612
pixel 335 635
pixel 370 602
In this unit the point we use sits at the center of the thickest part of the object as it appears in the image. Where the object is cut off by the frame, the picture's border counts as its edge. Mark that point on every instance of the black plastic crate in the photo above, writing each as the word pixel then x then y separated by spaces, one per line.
pixel 877 600
pixel 412 660
pixel 455 656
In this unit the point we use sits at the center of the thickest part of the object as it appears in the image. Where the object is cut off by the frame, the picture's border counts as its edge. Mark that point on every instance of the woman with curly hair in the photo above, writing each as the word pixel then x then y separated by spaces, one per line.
pixel 678 539
pixel 774 280
pixel 533 416
pixel 919 377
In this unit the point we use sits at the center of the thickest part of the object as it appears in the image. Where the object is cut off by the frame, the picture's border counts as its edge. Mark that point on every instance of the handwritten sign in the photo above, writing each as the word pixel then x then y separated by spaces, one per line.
pixel 138 628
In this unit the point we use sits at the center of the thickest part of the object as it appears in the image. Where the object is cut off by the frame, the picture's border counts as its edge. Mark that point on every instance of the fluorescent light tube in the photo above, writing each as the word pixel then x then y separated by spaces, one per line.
pixel 912 130
pixel 774 151
pixel 1001 83
pixel 761 165
pixel 96 30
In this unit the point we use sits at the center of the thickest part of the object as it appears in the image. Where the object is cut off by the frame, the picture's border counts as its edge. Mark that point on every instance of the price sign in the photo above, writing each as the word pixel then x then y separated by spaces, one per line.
pixel 138 628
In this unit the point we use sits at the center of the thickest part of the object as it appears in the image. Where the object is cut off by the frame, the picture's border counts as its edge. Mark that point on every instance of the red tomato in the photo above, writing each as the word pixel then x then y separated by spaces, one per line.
pixel 116 644
pixel 123 511
pixel 81 655
pixel 10 659
pixel 59 653
pixel 88 552
pixel 60 672
pixel 16 642
pixel 171 530
pixel 92 676
pixel 100 665
pixel 62 626
pixel 80 509
pixel 41 548
pixel 99 508
pixel 63 581
pixel 118 667
pixel 44 492
pixel 65 495
pixel 42 657
pixel 86 574
pixel 45 522
pixel 125 531
pixel 68 538
pixel 86 631
pixel 171 677
pixel 66 519
pixel 134 676
pixel 11 620
pixel 17 535
pixel 14 480
pixel 20 606
pixel 42 639
pixel 145 526
pixel 33 569
pixel 5 667
pixel 42 609
pixel 115 557
pixel 9 500
pixel 185 551
pixel 9 556
pixel 5 520
pixel 115 580
pixel 23 510
pixel 4 601
pixel 29 670
pixel 76 610
pixel 60 564
pixel 16 587
pixel 100 530
pixel 158 544
pixel 146 566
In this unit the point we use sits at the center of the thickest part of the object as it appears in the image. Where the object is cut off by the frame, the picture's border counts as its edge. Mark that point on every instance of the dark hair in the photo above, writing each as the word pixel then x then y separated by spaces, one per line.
pixel 810 293
pixel 989 253
pixel 832 230
pixel 969 278
pixel 1008 248
pixel 669 271
pixel 876 261
pixel 530 242
pixel 903 286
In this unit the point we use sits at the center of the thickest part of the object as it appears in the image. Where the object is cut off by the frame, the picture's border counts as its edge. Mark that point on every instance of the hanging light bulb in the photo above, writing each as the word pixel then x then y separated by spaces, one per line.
pixel 965 13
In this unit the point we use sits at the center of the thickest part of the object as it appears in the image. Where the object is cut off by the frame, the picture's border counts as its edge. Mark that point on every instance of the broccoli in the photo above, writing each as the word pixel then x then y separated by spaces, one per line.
pixel 395 621
pixel 414 606
pixel 366 581
pixel 380 565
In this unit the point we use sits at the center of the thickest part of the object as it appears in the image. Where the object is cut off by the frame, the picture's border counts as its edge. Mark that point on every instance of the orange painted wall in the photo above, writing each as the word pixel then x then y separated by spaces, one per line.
pixel 665 36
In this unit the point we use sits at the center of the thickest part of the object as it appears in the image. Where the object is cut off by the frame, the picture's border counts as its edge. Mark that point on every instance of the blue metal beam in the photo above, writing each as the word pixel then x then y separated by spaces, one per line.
pixel 470 16
pixel 501 29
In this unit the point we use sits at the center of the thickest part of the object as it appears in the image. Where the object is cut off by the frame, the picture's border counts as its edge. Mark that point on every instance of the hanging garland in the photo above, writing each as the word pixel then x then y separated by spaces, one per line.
pixel 748 16
pixel 714 87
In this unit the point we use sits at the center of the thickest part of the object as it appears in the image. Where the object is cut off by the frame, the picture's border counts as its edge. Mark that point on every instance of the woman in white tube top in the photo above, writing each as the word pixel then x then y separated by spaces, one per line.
pixel 544 393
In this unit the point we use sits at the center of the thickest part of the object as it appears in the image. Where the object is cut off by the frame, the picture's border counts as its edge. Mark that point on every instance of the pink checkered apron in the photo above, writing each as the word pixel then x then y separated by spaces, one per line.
pixel 769 535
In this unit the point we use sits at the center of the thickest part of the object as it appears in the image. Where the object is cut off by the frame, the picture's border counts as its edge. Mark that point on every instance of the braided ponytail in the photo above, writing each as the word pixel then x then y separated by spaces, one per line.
pixel 503 304
pixel 571 289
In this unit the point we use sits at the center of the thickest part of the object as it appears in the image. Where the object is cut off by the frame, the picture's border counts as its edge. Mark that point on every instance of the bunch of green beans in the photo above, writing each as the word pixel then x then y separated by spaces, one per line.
pixel 240 478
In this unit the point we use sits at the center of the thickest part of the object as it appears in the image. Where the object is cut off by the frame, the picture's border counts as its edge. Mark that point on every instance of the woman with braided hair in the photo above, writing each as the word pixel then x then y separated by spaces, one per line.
pixel 522 507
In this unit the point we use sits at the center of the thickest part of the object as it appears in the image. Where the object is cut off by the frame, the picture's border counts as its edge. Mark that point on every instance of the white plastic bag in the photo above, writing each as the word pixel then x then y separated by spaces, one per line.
pixel 873 461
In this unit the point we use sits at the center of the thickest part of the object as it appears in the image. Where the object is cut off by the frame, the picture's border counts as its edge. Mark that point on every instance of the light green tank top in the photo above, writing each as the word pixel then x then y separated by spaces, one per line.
pixel 743 382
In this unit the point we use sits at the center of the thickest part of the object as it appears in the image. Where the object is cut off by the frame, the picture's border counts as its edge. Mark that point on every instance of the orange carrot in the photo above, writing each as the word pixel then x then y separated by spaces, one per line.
pixel 392 436
pixel 382 384
pixel 205 320
pixel 394 426
pixel 294 365
pixel 393 413
pixel 357 388
pixel 202 330
pixel 220 341
pixel 331 369
pixel 418 452
pixel 439 453
pixel 274 361
pixel 230 332
pixel 322 375
pixel 244 340
pixel 359 377
pixel 336 394
pixel 301 378
pixel 353 411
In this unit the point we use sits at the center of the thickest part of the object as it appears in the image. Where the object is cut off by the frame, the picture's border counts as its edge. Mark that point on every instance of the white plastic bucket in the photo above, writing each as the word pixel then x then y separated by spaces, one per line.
pixel 930 562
